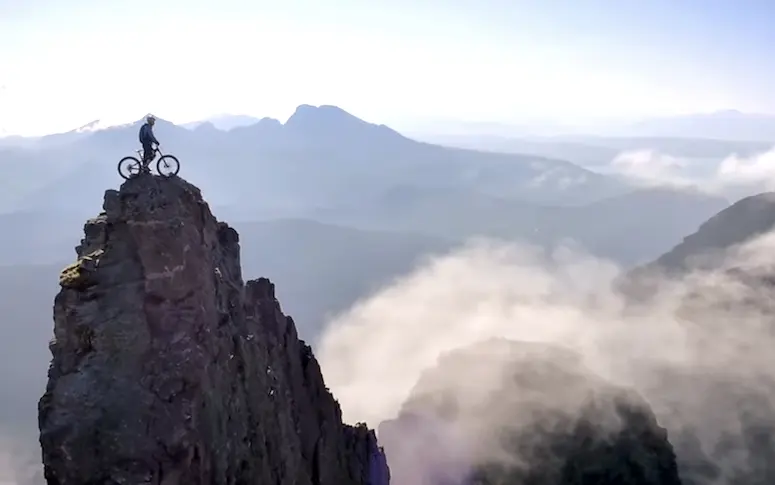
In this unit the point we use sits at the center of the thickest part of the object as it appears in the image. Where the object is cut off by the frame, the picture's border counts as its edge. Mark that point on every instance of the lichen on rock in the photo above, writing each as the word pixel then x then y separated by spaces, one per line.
pixel 77 274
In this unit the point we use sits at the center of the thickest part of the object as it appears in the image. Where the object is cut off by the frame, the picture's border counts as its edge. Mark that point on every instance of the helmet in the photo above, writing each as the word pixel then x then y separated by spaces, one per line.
pixel 150 118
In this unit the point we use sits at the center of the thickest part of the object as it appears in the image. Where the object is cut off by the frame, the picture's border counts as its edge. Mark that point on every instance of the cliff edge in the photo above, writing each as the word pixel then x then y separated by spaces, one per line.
pixel 167 369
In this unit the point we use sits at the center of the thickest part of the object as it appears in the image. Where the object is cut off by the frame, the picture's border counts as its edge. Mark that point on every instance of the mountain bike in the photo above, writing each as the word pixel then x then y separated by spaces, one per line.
pixel 166 165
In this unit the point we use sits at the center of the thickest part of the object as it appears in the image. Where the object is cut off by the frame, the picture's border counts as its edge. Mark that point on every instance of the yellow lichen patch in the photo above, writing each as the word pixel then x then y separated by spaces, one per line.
pixel 75 275
pixel 70 273
pixel 94 255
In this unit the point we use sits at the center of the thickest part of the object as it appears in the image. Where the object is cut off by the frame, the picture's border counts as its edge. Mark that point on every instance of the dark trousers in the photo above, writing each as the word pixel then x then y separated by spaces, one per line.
pixel 148 154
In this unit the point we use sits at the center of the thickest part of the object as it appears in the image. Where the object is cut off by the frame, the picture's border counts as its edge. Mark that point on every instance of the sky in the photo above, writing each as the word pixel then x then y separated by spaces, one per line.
pixel 65 63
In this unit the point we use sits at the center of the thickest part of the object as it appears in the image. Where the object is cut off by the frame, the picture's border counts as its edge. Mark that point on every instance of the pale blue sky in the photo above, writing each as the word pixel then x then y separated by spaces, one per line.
pixel 64 63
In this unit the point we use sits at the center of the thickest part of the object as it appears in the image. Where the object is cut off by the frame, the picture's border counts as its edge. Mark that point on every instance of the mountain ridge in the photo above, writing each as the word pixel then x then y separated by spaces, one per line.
pixel 711 247
pixel 320 156
pixel 742 221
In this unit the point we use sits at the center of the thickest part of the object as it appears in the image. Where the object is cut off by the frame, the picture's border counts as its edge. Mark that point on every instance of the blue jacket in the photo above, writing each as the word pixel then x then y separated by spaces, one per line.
pixel 146 135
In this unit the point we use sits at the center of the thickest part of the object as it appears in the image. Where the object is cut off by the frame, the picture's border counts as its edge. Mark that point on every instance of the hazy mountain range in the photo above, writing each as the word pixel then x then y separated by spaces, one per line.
pixel 598 151
pixel 730 125
pixel 330 207
pixel 726 125
pixel 326 165
pixel 325 186
pixel 562 169
pixel 319 157
pixel 326 190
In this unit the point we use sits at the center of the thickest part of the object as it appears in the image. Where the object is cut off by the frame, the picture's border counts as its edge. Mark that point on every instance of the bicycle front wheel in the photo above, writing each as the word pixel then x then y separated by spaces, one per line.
pixel 168 165
pixel 129 167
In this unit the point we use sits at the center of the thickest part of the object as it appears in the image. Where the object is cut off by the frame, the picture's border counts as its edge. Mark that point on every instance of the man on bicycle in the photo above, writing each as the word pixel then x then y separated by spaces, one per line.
pixel 147 139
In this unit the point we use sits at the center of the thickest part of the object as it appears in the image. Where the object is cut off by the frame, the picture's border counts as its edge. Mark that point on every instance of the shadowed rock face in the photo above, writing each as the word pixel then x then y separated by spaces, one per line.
pixel 167 369
pixel 512 413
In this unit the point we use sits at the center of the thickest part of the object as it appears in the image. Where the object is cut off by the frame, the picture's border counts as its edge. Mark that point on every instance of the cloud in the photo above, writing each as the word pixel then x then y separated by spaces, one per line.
pixel 676 351
pixel 732 173
pixel 19 464
pixel 759 169
pixel 651 167
pixel 560 177
pixel 484 290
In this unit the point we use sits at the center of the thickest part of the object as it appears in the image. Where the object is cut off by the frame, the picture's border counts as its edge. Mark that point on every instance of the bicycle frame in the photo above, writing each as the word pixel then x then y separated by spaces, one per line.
pixel 155 150
pixel 142 158
pixel 171 163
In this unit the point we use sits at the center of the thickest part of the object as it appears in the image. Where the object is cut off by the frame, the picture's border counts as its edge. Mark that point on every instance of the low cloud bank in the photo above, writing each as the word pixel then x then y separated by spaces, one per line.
pixel 731 174
pixel 699 334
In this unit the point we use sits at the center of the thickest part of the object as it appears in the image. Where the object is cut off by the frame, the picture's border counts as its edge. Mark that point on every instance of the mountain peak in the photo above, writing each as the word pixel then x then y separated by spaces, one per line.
pixel 167 368
pixel 307 114
pixel 98 125
pixel 205 126
pixel 332 122
pixel 91 126
pixel 267 121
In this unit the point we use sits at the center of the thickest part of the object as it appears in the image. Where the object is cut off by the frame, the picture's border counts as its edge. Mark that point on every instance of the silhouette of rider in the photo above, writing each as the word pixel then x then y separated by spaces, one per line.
pixel 147 139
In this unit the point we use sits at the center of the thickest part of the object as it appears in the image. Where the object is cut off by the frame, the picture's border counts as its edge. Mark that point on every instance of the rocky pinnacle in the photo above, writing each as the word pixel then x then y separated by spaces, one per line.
pixel 168 369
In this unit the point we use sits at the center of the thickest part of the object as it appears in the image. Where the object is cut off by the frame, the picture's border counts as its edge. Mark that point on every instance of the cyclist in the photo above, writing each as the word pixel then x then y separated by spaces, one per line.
pixel 147 139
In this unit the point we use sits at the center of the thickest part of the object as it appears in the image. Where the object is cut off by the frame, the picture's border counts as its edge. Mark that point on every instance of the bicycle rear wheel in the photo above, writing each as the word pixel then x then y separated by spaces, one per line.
pixel 129 167
pixel 168 165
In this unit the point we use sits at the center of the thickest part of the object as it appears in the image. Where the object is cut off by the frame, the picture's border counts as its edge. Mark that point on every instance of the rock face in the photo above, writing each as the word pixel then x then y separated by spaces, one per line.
pixel 511 413
pixel 167 369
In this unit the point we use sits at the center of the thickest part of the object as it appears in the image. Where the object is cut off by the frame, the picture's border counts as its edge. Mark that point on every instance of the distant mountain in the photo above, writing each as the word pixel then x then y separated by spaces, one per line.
pixel 321 156
pixel 599 151
pixel 726 125
pixel 702 139
pixel 16 141
pixel 90 127
pixel 738 223
pixel 706 248
pixel 582 153
pixel 722 125
pixel 630 228
pixel 636 226
pixel 38 237
pixel 327 165
pixel 686 147
pixel 224 122
pixel 67 138
pixel 518 129
pixel 324 268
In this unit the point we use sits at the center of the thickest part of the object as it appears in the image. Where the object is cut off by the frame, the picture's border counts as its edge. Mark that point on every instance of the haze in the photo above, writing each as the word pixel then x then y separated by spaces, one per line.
pixel 420 177
pixel 66 63
pixel 562 298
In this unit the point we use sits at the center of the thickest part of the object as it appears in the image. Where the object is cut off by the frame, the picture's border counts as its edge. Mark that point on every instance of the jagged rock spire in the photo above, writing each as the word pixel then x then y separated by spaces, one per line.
pixel 167 369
